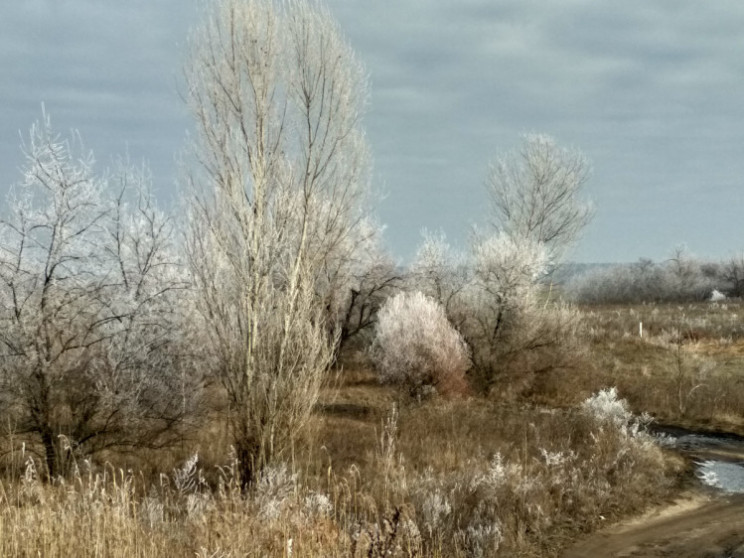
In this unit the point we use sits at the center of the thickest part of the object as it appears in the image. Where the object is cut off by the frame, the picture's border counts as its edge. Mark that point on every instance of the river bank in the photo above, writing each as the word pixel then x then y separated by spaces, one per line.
pixel 705 520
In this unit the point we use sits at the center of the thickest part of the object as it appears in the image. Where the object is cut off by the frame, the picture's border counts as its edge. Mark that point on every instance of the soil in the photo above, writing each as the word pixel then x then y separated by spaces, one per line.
pixel 698 524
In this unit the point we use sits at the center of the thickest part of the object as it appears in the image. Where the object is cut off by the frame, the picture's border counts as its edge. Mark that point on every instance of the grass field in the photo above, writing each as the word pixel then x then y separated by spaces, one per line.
pixel 687 368
pixel 382 475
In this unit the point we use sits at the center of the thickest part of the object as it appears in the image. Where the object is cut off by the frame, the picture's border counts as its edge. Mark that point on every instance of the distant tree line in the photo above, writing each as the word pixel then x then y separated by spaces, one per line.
pixel 680 278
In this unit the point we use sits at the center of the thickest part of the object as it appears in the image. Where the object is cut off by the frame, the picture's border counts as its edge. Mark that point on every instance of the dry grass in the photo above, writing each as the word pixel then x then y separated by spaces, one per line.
pixel 444 478
pixel 382 476
pixel 686 369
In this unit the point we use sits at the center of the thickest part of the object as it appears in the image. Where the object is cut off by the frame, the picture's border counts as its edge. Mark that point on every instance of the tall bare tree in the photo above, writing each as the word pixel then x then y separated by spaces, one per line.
pixel 535 193
pixel 277 94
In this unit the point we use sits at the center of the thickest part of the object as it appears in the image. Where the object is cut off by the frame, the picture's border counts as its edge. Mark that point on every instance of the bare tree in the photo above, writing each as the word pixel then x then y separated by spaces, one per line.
pixel 88 327
pixel 732 273
pixel 535 193
pixel 369 281
pixel 277 95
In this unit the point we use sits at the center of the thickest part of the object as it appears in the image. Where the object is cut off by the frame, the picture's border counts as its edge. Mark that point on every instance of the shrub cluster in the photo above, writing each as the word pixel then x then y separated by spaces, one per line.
pixel 493 297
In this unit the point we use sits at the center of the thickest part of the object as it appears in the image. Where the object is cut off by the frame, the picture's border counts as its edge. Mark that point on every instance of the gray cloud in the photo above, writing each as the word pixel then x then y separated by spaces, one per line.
pixel 651 91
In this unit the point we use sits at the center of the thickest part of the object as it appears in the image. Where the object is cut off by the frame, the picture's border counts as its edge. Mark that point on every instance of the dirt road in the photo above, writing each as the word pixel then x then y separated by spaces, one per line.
pixel 697 525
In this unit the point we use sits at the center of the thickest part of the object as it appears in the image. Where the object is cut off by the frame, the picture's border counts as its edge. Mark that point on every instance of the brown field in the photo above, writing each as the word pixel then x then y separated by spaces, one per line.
pixel 384 476
pixel 687 369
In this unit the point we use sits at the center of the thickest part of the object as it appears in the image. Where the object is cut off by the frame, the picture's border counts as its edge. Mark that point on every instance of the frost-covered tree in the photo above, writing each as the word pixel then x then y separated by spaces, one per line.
pixel 415 346
pixel 677 279
pixel 732 275
pixel 277 94
pixel 90 339
pixel 536 193
pixel 440 272
pixel 497 307
pixel 508 268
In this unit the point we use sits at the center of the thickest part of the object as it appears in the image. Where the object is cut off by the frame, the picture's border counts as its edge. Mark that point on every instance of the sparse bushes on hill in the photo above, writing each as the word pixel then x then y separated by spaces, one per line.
pixel 416 346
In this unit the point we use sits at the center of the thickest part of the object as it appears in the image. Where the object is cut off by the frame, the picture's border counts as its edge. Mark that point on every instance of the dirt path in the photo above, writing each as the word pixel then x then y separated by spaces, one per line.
pixel 697 525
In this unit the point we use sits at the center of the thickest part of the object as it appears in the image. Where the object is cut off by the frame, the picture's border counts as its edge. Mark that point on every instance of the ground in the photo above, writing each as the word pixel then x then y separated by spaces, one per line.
pixel 697 524
pixel 694 381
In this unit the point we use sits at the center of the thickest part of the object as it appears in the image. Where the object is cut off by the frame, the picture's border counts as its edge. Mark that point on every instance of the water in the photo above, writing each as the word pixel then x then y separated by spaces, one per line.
pixel 719 458
pixel 728 477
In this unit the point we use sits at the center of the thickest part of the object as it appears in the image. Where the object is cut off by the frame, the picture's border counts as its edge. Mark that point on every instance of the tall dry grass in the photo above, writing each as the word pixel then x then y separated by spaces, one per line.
pixel 449 479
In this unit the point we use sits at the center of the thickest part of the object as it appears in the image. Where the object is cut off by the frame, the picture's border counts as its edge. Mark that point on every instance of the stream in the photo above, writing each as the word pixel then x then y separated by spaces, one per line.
pixel 718 457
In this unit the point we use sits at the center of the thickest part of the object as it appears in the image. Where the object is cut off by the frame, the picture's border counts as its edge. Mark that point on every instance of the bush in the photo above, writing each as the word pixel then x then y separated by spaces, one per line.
pixel 604 407
pixel 518 336
pixel 416 346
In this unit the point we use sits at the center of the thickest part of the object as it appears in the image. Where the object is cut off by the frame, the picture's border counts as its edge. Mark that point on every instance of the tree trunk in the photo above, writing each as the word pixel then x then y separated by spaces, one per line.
pixel 50 451
pixel 247 450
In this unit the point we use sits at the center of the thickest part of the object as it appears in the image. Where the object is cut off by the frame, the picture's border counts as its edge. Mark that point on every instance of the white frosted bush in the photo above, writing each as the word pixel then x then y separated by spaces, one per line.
pixel 605 406
pixel 318 504
pixel 416 346
pixel 435 509
pixel 716 296
pixel 275 490
pixel 483 540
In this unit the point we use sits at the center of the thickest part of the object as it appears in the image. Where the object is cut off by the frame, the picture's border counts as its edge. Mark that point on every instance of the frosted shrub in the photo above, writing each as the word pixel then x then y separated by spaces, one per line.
pixel 435 510
pixel 417 347
pixel 275 490
pixel 188 479
pixel 318 504
pixel 508 267
pixel 605 406
pixel 482 540
pixel 515 333
pixel 152 511
pixel 716 296
pixel 439 272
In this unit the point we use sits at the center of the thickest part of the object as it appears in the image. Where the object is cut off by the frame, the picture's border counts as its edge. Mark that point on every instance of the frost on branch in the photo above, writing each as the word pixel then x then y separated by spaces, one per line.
pixel 416 346
pixel 605 408
pixel 438 271
pixel 278 204
pixel 536 193
pixel 90 341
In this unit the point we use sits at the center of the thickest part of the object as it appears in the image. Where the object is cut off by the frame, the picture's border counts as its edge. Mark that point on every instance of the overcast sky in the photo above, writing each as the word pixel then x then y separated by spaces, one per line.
pixel 651 91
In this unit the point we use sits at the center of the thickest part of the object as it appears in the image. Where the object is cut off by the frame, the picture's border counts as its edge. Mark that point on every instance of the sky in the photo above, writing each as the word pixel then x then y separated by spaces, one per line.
pixel 651 92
